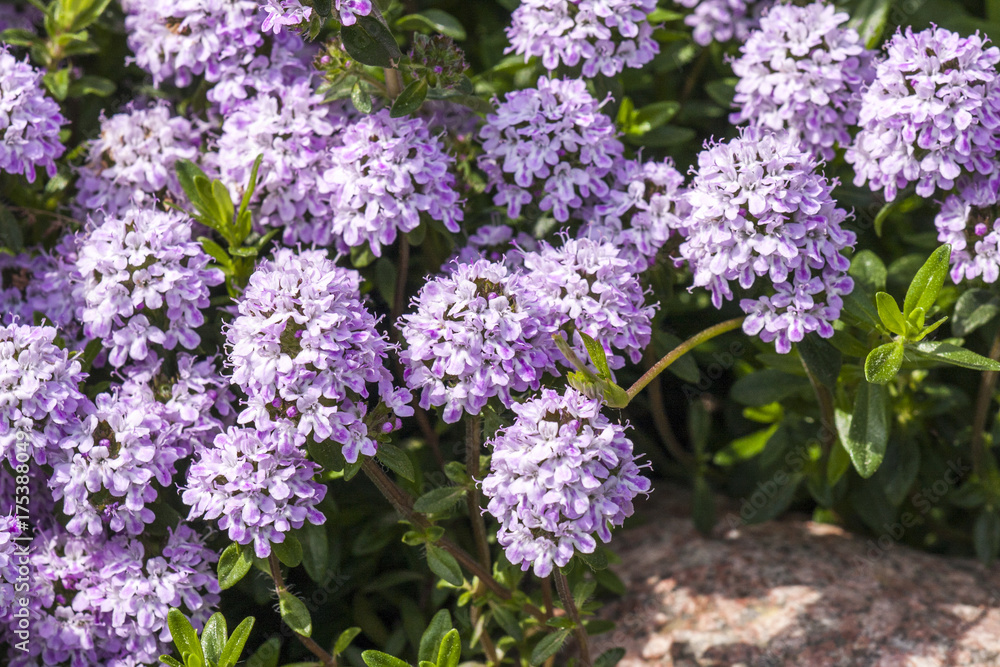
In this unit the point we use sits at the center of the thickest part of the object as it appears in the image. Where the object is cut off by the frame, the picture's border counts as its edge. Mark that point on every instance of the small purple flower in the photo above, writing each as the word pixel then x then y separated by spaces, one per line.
pixel 560 475
pixel 970 222
pixel 605 35
pixel 142 281
pixel 496 243
pixel 385 176
pixel 549 144
pixel 304 338
pixel 802 72
pixel 473 335
pixel 258 486
pixel 759 207
pixel 723 20
pixel 281 13
pixel 29 120
pixel 931 114
pixel 350 10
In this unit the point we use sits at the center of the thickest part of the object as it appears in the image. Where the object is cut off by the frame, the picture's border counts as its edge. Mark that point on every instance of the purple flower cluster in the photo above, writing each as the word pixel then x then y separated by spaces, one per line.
pixel 177 41
pixel 282 13
pixel 605 35
pixel 931 114
pixel 103 602
pixel 496 243
pixel 970 221
pixel 760 208
pixel 723 20
pixel 132 162
pixel 142 280
pixel 550 145
pixel 29 120
pixel 304 349
pixel 585 286
pixel 259 486
pixel 10 529
pixel 644 207
pixel 385 174
pixel 802 72
pixel 561 474
pixel 473 335
pixel 39 394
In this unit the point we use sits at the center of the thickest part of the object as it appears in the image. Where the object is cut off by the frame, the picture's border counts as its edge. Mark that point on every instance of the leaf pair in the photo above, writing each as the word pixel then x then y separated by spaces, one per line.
pixel 584 380
pixel 215 648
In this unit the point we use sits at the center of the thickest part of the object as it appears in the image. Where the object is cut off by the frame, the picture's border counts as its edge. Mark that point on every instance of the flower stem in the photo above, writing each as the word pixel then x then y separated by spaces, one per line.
pixel 393 82
pixel 403 503
pixel 279 587
pixel 680 351
pixel 987 385
pixel 473 429
pixel 570 606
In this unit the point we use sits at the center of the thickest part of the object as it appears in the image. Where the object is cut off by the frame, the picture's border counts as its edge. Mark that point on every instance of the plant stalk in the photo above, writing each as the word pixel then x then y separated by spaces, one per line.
pixel 681 350
pixel 473 429
pixel 279 587
pixel 987 385
pixel 562 586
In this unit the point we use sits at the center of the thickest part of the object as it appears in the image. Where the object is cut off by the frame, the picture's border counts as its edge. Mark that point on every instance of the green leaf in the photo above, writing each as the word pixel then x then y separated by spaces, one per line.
pixel 596 561
pixel 653 116
pixel 722 91
pixel 57 83
pixel 883 215
pixel 865 431
pixel 767 386
pixel 289 551
pixel 11 236
pixel 597 355
pixel 315 550
pixel 345 639
pixel 665 136
pixel 986 536
pixel 19 37
pixel 216 252
pixel 450 651
pixel 213 637
pixel 172 662
pixel 883 363
pixel 953 354
pixel 869 19
pixel 92 85
pixel 444 565
pixel 267 655
pixel 744 448
pixel 431 639
pixel 821 358
pixel 434 20
pixel 243 226
pixel 927 330
pixel 610 658
pixel 396 460
pixel 889 313
pixel 361 256
pixel 184 635
pixel 361 100
pixel 379 659
pixel 370 43
pixel 868 270
pixel 548 647
pixel 235 561
pixel 234 646
pixel 439 500
pixel 927 283
pixel 409 99
pixel 86 14
pixel 294 613
pixel 703 505
pixel 974 308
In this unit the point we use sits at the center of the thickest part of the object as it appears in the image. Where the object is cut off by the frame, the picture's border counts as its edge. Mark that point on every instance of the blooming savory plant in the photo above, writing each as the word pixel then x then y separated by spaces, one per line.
pixel 250 249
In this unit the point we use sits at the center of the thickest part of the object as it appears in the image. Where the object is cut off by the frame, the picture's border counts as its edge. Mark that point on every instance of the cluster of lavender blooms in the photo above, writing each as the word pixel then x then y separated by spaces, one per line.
pixel 931 114
pixel 551 145
pixel 969 220
pixel 496 243
pixel 605 35
pixel 100 600
pixel 723 20
pixel 10 528
pixel 644 207
pixel 386 173
pixel 560 475
pixel 39 394
pixel 177 41
pixel 282 13
pixel 304 349
pixel 142 280
pixel 475 333
pixel 585 286
pixel 802 72
pixel 258 485
pixel 132 162
pixel 760 208
pixel 29 120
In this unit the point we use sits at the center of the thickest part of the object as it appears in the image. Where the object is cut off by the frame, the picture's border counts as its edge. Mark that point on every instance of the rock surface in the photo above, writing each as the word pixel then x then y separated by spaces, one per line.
pixel 793 592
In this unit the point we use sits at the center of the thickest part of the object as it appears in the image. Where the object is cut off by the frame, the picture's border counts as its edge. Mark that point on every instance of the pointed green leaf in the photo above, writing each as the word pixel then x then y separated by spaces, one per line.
pixel 953 354
pixel 927 283
pixel 450 651
pixel 927 330
pixel 184 635
pixel 171 662
pixel 548 647
pixel 883 363
pixel 315 550
pixel 444 565
pixel 267 655
pixel 973 309
pixel 597 355
pixel 289 551
pixel 379 659
pixel 821 358
pixel 370 43
pixel 216 252
pixel 431 639
pixel 744 448
pixel 439 500
pixel 294 613
pixel 865 431
pixel 345 639
pixel 595 561
pixel 890 314
pixel 213 637
pixel 396 460
pixel 234 646
pixel 610 658
pixel 433 19
pixel 235 561
pixel 868 271
pixel 409 99
pixel 361 100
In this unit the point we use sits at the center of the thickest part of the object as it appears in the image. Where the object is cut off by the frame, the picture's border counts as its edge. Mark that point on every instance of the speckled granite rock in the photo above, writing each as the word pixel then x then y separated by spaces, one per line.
pixel 793 592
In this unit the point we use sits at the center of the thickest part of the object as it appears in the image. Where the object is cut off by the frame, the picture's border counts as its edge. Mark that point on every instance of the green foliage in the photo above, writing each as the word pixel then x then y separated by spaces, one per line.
pixel 215 648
